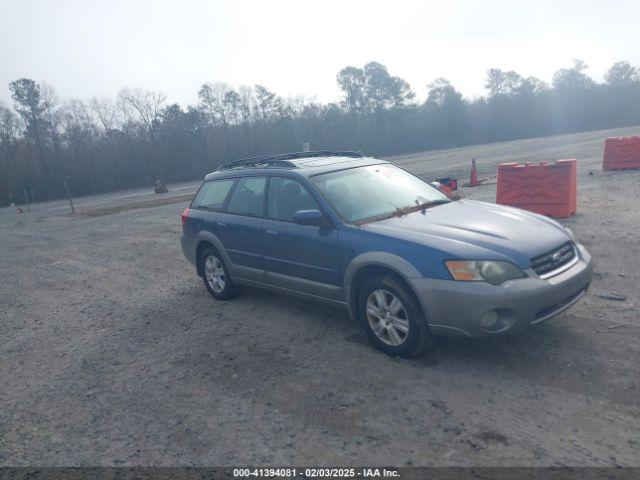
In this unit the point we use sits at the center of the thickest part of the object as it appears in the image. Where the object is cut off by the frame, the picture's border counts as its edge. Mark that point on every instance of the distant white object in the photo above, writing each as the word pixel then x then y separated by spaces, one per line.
pixel 306 147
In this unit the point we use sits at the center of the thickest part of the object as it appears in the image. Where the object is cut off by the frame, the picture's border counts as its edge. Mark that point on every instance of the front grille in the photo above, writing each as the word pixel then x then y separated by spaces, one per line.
pixel 553 260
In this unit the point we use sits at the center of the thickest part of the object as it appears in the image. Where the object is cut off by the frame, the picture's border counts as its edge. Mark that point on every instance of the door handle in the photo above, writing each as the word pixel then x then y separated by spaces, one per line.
pixel 272 232
pixel 221 224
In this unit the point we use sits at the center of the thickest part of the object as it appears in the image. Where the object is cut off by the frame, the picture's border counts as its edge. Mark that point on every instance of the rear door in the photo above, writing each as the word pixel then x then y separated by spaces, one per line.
pixel 239 227
pixel 299 257
pixel 208 202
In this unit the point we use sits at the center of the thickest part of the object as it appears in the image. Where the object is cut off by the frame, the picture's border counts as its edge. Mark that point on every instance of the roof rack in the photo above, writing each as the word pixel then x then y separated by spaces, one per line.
pixel 283 160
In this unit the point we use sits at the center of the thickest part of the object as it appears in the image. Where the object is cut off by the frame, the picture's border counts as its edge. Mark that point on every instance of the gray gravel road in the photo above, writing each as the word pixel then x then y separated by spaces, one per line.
pixel 113 353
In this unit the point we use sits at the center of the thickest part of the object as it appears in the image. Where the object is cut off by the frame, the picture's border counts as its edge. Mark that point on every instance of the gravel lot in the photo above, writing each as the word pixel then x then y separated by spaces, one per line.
pixel 113 353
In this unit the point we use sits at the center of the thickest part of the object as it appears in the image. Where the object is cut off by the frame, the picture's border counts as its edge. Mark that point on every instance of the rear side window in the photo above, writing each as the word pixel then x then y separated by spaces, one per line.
pixel 248 197
pixel 286 197
pixel 213 194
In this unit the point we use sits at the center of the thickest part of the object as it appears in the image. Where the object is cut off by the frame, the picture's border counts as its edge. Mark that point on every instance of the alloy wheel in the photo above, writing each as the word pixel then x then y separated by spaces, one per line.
pixel 214 273
pixel 387 317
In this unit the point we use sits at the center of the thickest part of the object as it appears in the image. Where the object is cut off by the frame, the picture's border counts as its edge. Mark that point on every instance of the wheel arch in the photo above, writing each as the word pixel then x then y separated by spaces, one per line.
pixel 371 264
pixel 209 240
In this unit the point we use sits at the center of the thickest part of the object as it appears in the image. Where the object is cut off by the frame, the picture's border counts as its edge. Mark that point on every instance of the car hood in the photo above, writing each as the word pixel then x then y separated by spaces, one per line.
pixel 466 228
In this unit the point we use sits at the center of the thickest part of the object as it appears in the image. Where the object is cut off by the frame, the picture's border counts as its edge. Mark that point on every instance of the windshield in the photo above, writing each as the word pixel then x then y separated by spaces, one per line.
pixel 375 191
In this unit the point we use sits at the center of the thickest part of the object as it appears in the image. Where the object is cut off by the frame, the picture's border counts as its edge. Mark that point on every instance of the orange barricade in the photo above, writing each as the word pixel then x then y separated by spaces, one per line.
pixel 621 153
pixel 549 189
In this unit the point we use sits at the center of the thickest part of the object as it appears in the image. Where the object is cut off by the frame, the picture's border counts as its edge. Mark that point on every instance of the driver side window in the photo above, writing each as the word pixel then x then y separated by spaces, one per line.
pixel 286 197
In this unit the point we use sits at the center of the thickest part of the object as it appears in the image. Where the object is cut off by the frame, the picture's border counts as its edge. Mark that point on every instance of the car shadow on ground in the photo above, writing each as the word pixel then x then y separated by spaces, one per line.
pixel 537 349
pixel 556 352
pixel 542 336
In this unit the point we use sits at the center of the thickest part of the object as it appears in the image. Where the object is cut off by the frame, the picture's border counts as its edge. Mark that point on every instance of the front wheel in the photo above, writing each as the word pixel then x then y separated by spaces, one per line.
pixel 393 318
pixel 216 276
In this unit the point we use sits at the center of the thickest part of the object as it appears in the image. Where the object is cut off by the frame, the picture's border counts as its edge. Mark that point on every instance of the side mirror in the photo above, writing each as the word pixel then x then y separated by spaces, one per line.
pixel 309 217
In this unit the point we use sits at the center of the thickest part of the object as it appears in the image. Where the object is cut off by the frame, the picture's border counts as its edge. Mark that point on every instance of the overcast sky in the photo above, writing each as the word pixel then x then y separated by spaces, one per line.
pixel 87 48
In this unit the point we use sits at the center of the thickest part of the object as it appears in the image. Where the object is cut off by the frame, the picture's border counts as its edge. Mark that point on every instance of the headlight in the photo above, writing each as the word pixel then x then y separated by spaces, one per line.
pixel 494 272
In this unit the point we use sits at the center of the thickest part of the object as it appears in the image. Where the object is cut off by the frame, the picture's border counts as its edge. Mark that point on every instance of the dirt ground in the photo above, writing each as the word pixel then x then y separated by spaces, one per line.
pixel 113 353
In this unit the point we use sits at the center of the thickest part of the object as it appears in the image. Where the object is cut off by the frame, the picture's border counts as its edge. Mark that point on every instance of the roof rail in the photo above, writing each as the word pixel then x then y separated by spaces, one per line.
pixel 282 160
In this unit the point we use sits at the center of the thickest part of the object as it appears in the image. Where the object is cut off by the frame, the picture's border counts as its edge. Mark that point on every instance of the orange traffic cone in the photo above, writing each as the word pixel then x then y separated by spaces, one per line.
pixel 473 181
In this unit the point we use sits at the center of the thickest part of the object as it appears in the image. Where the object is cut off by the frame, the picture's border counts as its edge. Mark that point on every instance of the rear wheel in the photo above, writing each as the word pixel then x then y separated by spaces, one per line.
pixel 393 318
pixel 216 276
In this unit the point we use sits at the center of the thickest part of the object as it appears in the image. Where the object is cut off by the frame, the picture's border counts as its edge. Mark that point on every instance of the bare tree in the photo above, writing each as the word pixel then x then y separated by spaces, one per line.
pixel 247 103
pixel 213 99
pixel 106 112
pixel 267 102
pixel 53 115
pixel 144 109
pixel 79 132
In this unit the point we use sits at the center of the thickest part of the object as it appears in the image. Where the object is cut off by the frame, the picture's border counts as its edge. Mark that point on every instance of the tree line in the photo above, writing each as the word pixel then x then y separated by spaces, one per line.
pixel 130 141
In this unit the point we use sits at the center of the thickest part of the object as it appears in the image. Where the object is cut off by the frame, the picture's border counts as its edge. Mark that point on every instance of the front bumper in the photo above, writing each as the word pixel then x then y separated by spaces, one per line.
pixel 455 308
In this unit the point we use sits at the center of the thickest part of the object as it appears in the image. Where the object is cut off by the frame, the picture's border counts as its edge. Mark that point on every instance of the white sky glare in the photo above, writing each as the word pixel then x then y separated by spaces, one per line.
pixel 86 48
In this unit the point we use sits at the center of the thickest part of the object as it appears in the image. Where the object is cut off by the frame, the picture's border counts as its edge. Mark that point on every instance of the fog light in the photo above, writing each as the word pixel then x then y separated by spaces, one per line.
pixel 489 319
pixel 498 320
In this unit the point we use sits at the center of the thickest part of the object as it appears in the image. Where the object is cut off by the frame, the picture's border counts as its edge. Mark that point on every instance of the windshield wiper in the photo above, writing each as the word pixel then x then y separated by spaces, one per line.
pixel 425 205
pixel 418 206
pixel 399 212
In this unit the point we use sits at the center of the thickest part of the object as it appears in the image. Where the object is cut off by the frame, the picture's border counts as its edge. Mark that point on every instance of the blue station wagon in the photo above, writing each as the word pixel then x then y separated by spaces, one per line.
pixel 405 260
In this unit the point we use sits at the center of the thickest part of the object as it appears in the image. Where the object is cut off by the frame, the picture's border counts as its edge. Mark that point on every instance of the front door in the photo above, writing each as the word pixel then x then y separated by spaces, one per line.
pixel 299 257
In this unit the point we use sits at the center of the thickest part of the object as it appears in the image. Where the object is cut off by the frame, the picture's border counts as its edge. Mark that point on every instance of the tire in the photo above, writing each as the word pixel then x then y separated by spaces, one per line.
pixel 379 312
pixel 216 277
